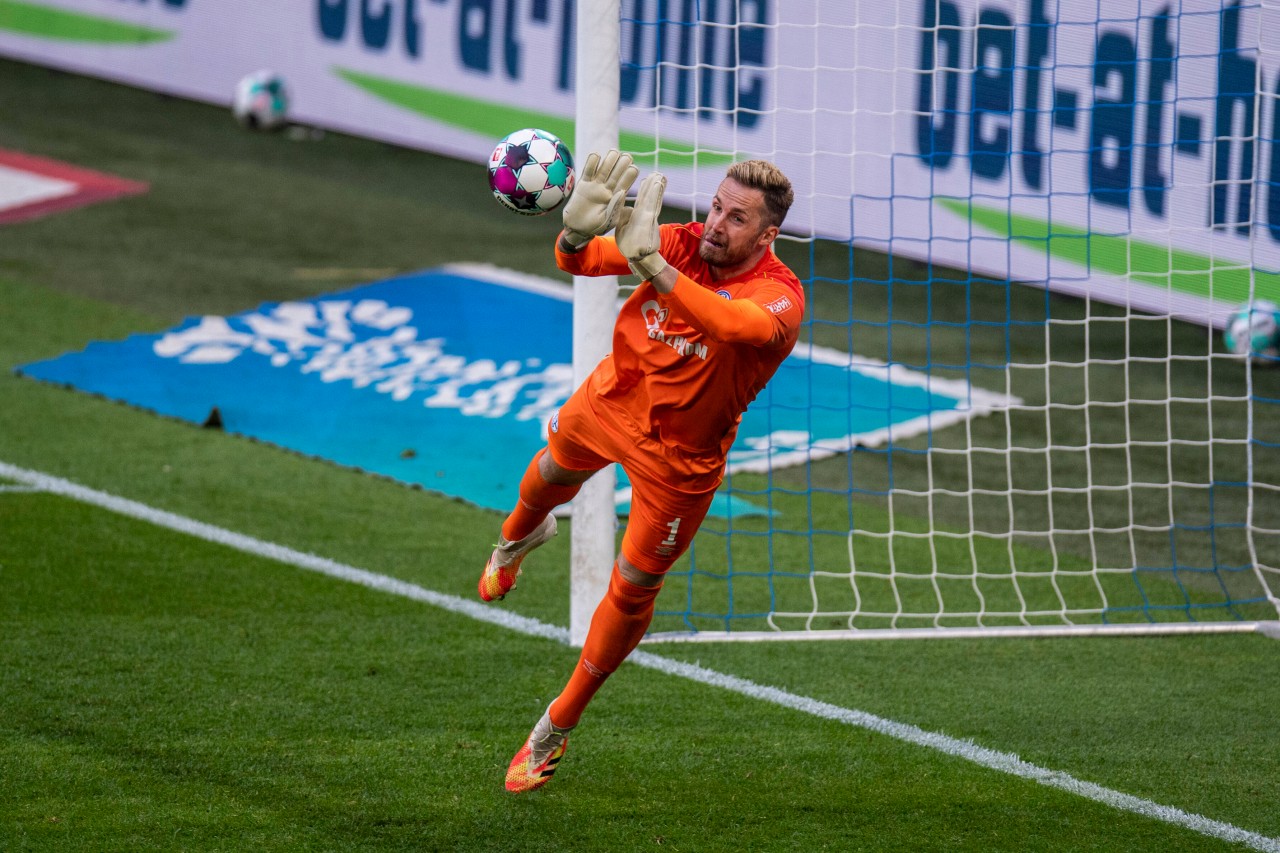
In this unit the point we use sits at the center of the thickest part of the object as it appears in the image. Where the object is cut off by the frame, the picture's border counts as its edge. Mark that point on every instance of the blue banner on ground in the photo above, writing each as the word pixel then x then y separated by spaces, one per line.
pixel 447 378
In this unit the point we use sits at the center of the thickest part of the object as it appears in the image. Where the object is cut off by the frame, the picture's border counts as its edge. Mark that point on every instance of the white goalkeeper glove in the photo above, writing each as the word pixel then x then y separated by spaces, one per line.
pixel 638 237
pixel 598 197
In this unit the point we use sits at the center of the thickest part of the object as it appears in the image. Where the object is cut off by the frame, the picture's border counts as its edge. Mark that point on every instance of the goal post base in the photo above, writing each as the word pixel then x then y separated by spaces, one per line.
pixel 1269 629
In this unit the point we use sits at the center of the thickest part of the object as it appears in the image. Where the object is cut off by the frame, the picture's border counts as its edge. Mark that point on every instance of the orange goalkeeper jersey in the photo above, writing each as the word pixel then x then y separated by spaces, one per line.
pixel 685 365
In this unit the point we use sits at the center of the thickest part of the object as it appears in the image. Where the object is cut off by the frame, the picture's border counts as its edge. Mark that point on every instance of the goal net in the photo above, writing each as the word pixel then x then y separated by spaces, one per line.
pixel 1021 228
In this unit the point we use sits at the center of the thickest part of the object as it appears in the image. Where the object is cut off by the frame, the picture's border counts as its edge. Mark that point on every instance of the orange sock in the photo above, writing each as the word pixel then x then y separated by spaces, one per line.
pixel 616 629
pixel 537 499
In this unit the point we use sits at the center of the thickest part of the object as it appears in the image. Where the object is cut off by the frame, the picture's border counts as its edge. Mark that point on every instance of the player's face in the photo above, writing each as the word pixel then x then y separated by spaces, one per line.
pixel 736 229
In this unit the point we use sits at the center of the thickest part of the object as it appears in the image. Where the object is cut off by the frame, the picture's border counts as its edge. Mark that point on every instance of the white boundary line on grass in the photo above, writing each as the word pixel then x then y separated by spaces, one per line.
pixel 1003 762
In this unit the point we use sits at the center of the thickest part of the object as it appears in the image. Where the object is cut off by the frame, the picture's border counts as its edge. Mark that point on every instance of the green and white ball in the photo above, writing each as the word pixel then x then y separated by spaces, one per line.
pixel 1254 330
pixel 531 171
pixel 261 101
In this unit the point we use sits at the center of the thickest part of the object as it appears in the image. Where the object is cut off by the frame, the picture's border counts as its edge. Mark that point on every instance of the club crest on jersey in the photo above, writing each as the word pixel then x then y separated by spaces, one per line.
pixel 777 306
pixel 724 294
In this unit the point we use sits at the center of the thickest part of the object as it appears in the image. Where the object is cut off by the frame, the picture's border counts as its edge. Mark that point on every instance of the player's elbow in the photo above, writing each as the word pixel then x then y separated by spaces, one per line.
pixel 752 325
pixel 571 264
pixel 735 334
pixel 758 337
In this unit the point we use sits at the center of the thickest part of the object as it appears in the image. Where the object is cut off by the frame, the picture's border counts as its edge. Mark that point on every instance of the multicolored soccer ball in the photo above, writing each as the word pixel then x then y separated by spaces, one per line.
pixel 261 101
pixel 1254 330
pixel 531 172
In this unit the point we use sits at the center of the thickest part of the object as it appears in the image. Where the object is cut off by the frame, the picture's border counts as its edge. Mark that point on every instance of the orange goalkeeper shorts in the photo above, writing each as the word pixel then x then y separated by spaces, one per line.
pixel 668 504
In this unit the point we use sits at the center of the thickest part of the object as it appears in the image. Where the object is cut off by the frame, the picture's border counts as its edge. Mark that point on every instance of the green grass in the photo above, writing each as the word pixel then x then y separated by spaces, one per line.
pixel 172 690
pixel 161 693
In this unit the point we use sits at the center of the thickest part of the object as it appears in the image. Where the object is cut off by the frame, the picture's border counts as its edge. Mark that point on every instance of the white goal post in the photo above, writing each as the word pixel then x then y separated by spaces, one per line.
pixel 1021 227
pixel 595 306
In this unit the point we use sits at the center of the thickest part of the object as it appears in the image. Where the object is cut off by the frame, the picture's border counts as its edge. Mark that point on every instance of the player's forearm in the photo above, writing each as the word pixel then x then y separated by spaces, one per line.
pixel 665 281
pixel 599 256
pixel 734 320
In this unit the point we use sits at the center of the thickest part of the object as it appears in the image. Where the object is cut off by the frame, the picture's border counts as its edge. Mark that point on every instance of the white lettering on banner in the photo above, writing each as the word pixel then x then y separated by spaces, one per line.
pixel 320 338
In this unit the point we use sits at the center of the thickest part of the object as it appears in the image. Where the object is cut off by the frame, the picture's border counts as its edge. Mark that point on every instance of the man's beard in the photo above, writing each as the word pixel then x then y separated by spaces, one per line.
pixel 716 256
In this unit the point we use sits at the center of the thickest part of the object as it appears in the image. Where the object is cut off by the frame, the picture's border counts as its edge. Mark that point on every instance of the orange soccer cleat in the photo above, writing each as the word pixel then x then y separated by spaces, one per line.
pixel 537 760
pixel 500 573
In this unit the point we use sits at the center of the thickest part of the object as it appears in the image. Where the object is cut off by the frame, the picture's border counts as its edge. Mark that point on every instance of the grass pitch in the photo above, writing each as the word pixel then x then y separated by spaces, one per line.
pixel 159 692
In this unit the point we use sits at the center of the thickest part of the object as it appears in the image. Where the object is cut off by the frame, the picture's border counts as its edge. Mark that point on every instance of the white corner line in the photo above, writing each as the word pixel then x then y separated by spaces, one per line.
pixel 1003 762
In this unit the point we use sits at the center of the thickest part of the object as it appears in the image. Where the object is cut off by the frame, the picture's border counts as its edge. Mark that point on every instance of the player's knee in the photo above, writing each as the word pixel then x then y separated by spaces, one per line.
pixel 556 474
pixel 633 598
pixel 633 574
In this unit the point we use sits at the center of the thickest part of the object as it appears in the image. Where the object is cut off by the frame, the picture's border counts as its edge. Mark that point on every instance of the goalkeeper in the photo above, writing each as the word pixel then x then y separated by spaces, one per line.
pixel 716 314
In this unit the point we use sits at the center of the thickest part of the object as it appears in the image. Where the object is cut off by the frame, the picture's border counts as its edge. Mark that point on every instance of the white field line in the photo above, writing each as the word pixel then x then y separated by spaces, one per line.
pixel 1003 762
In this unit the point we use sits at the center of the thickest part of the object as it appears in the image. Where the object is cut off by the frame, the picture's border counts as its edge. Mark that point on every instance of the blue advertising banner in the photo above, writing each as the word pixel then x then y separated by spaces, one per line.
pixel 447 378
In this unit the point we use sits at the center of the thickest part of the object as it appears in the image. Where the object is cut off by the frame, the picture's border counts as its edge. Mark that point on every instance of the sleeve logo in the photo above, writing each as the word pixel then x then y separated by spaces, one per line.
pixel 777 306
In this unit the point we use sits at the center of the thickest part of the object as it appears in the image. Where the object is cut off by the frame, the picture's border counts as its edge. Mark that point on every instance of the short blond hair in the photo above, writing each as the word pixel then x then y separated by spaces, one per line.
pixel 767 178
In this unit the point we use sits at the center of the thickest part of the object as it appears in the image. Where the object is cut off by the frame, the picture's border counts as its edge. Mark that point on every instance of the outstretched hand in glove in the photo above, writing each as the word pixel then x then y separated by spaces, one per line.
pixel 598 197
pixel 638 237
